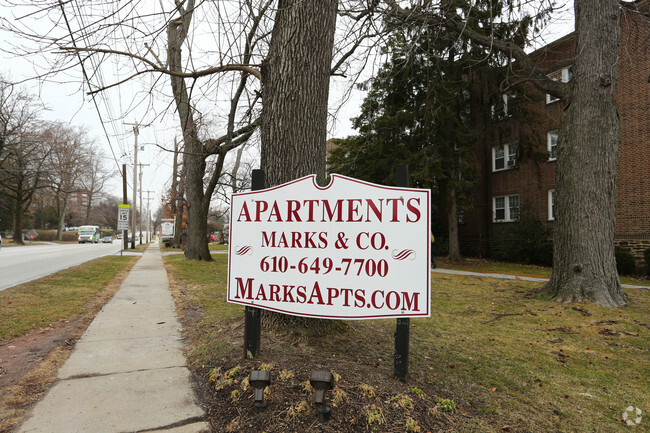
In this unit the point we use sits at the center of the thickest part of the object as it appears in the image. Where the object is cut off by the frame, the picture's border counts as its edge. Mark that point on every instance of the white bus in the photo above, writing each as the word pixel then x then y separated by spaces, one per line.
pixel 88 234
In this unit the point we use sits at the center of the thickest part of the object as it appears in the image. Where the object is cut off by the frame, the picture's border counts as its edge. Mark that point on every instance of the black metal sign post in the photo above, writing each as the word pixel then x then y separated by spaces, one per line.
pixel 403 325
pixel 252 315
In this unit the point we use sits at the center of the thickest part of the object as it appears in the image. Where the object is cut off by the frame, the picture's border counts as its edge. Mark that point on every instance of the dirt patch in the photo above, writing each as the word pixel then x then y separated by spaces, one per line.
pixel 29 364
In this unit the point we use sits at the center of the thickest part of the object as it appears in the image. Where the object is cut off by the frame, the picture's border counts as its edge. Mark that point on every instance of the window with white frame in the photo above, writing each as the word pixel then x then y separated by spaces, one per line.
pixel 551 204
pixel 505 106
pixel 552 145
pixel 505 208
pixel 564 75
pixel 504 156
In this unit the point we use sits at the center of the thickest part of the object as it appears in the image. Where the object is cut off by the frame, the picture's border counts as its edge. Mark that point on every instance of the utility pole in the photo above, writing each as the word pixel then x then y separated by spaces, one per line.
pixel 149 225
pixel 141 200
pixel 135 182
pixel 136 132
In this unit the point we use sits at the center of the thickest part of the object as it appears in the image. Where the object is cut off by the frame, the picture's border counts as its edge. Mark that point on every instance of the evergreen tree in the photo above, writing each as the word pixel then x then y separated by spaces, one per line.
pixel 424 109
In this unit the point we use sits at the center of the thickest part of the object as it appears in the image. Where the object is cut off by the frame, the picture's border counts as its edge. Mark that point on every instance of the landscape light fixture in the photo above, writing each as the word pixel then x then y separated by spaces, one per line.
pixel 322 381
pixel 259 379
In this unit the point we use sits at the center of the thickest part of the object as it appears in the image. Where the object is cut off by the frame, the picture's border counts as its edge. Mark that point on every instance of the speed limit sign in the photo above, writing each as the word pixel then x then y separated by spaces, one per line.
pixel 123 217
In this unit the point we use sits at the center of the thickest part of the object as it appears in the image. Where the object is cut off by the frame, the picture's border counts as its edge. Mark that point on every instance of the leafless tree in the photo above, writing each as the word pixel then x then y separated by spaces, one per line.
pixel 204 52
pixel 22 153
pixel 212 50
pixel 67 165
pixel 93 179
pixel 103 212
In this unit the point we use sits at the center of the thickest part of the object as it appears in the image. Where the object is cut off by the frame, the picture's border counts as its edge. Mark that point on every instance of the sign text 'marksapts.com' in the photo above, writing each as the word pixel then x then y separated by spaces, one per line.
pixel 350 250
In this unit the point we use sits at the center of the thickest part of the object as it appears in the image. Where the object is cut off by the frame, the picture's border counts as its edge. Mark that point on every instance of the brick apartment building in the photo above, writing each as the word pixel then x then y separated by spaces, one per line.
pixel 511 178
pixel 76 208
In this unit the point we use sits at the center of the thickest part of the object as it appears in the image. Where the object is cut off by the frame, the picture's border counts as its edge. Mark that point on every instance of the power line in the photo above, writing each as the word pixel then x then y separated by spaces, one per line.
pixel 87 79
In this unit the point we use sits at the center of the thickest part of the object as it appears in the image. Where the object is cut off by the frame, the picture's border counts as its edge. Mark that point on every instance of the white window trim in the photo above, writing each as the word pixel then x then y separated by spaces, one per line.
pixel 564 78
pixel 509 161
pixel 504 109
pixel 548 144
pixel 551 204
pixel 506 201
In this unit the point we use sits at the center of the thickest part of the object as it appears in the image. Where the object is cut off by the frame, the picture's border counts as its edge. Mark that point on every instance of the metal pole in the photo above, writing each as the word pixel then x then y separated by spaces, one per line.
pixel 402 329
pixel 148 225
pixel 252 315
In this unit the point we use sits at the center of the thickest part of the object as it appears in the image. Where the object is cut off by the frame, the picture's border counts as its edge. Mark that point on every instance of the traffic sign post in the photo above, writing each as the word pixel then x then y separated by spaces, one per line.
pixel 123 212
pixel 123 217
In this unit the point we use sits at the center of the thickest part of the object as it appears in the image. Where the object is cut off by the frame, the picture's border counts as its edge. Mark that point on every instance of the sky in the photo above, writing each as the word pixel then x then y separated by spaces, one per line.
pixel 111 115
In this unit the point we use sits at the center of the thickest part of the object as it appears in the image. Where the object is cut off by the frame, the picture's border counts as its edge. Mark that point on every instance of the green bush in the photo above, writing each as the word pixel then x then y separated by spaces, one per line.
pixel 646 257
pixel 625 263
pixel 441 245
pixel 545 254
pixel 525 241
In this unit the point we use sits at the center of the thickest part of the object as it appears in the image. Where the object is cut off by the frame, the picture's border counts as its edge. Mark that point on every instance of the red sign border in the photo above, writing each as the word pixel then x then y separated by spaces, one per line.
pixel 333 177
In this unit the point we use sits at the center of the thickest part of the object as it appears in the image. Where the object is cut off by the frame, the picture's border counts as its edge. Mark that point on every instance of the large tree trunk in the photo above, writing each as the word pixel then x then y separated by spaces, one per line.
pixel 62 210
pixel 584 266
pixel 197 223
pixel 180 210
pixel 18 220
pixel 194 154
pixel 452 221
pixel 295 89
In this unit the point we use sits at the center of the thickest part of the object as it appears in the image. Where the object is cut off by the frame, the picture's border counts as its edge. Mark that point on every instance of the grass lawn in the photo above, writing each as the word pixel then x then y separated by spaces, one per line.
pixel 38 303
pixel 508 359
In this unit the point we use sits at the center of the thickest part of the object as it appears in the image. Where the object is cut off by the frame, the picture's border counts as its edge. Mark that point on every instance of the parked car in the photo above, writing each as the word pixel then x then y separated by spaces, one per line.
pixel 107 240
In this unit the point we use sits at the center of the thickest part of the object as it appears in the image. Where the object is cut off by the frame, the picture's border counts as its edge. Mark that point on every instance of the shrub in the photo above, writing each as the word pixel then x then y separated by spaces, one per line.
pixel 441 245
pixel 69 236
pixel 526 241
pixel 625 263
pixel 646 258
pixel 46 235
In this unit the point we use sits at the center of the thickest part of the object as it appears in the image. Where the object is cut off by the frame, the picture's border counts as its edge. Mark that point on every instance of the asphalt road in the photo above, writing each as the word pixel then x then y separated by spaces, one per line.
pixel 22 264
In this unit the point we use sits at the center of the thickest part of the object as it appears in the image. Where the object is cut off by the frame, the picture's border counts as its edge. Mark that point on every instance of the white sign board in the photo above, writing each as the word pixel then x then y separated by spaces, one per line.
pixel 167 228
pixel 123 218
pixel 351 250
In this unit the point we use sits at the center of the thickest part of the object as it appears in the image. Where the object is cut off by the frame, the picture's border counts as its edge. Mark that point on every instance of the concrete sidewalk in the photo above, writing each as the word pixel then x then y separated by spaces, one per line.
pixel 512 277
pixel 127 373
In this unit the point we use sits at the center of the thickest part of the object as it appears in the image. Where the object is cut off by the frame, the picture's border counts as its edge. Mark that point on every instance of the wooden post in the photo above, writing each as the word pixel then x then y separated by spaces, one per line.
pixel 252 315
pixel 402 329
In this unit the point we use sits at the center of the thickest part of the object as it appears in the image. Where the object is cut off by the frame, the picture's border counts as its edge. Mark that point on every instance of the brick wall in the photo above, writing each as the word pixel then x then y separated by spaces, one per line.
pixel 633 99
pixel 533 177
